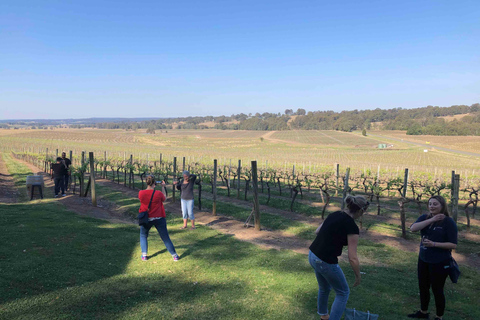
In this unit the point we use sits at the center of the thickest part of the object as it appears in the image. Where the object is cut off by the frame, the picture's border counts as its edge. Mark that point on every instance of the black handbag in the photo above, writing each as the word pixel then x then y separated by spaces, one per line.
pixel 143 216
pixel 454 271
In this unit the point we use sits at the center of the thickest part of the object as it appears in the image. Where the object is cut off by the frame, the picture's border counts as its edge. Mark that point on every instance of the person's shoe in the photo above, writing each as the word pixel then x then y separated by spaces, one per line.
pixel 176 258
pixel 193 228
pixel 64 195
pixel 437 318
pixel 144 258
pixel 56 196
pixel 183 228
pixel 419 315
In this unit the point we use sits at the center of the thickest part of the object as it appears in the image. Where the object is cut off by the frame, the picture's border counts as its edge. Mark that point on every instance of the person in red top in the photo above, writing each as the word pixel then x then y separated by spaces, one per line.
pixel 156 218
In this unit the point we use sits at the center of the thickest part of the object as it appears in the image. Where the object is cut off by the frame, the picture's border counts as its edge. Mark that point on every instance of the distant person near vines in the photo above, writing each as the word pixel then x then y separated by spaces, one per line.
pixel 58 172
pixel 67 163
pixel 338 230
pixel 439 237
pixel 156 218
pixel 186 188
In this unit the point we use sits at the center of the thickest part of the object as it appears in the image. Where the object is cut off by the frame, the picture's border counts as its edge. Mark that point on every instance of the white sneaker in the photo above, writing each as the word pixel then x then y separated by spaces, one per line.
pixel 64 195
pixel 56 196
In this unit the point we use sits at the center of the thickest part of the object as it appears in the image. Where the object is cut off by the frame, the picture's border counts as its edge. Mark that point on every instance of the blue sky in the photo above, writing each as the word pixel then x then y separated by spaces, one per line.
pixel 77 59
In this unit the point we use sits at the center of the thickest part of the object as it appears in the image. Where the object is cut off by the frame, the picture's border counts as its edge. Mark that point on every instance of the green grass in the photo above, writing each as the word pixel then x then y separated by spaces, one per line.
pixel 57 265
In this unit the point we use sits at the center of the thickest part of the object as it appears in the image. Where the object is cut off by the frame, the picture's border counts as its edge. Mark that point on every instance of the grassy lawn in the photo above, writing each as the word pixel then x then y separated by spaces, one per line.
pixel 55 264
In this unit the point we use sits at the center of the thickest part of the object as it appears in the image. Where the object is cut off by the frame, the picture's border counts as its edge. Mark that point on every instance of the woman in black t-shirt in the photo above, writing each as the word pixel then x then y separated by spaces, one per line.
pixel 337 231
pixel 439 237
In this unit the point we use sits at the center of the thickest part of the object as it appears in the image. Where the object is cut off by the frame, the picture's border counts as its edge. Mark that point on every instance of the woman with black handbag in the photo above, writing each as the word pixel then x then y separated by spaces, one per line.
pixel 439 237
pixel 152 200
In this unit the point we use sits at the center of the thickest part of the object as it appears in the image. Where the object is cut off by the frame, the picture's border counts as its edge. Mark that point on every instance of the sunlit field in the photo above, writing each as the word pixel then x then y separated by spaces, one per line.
pixel 309 151
pixel 464 143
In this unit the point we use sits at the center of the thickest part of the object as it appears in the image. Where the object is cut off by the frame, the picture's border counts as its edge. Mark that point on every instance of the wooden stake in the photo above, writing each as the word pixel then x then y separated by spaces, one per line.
pixel 214 208
pixel 256 204
pixel 92 178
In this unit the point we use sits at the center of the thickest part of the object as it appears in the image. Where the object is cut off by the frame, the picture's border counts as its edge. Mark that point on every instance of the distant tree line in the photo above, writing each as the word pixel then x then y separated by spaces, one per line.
pixel 419 121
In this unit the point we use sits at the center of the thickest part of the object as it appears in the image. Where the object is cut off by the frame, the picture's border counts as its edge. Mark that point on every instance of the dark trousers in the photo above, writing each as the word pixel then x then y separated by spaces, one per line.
pixel 432 275
pixel 66 177
pixel 59 184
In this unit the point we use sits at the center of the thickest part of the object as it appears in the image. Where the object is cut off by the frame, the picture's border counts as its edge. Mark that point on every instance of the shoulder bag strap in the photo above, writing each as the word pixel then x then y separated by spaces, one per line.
pixel 151 201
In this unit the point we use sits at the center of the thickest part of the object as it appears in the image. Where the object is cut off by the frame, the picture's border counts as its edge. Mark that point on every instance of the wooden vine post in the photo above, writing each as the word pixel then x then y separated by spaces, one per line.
pixel 92 179
pixel 46 159
pixel 183 166
pixel 456 191
pixel 174 177
pixel 345 187
pixel 452 188
pixel 337 175
pixel 104 165
pixel 130 172
pixel 256 204
pixel 239 173
pixel 402 202
pixel 214 186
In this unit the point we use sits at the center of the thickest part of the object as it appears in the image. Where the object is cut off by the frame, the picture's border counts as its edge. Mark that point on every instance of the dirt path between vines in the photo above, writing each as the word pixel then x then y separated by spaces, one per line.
pixel 8 192
pixel 266 238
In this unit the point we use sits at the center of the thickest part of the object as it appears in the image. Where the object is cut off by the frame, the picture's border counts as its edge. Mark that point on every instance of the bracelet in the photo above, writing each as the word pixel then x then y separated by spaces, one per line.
pixel 434 244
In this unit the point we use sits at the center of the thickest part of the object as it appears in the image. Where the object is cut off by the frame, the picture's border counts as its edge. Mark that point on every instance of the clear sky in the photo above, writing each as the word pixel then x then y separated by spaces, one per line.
pixel 155 58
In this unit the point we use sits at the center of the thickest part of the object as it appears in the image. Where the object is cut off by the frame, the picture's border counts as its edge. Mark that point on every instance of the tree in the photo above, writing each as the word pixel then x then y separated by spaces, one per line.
pixel 288 112
pixel 301 112
pixel 364 132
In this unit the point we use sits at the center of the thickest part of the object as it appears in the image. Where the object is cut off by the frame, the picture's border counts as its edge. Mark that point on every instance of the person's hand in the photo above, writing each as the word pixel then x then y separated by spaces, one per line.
pixel 358 280
pixel 438 217
pixel 162 183
pixel 428 243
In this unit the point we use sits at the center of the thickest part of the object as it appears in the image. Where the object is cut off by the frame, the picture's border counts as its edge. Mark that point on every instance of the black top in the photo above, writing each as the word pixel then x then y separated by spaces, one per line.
pixel 440 231
pixel 187 188
pixel 59 170
pixel 332 237
pixel 67 162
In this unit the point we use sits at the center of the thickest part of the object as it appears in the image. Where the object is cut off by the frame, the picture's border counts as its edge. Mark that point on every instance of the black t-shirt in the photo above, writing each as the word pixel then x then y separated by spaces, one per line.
pixel 59 170
pixel 67 162
pixel 441 231
pixel 332 237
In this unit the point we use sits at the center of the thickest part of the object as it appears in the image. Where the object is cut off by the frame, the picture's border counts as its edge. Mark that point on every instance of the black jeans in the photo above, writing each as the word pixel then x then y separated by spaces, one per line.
pixel 66 177
pixel 59 184
pixel 432 275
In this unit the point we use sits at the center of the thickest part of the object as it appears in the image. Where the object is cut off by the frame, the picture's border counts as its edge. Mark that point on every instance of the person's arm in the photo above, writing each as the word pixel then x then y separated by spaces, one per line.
pixel 442 245
pixel 352 257
pixel 318 229
pixel 425 223
pixel 450 242
pixel 193 178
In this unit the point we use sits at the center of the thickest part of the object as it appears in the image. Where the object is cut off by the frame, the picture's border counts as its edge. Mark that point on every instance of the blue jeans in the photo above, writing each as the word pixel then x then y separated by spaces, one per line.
pixel 187 209
pixel 330 276
pixel 161 226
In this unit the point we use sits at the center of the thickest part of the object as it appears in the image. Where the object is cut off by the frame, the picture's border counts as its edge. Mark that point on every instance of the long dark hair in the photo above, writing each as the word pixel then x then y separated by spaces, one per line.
pixel 443 203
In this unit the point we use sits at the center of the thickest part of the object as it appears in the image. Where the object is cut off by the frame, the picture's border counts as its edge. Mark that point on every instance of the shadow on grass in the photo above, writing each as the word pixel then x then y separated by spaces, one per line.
pixel 46 247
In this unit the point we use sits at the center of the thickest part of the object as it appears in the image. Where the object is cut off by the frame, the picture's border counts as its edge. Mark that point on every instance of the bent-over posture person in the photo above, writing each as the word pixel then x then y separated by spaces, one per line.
pixel 186 188
pixel 156 218
pixel 58 171
pixel 439 237
pixel 338 230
